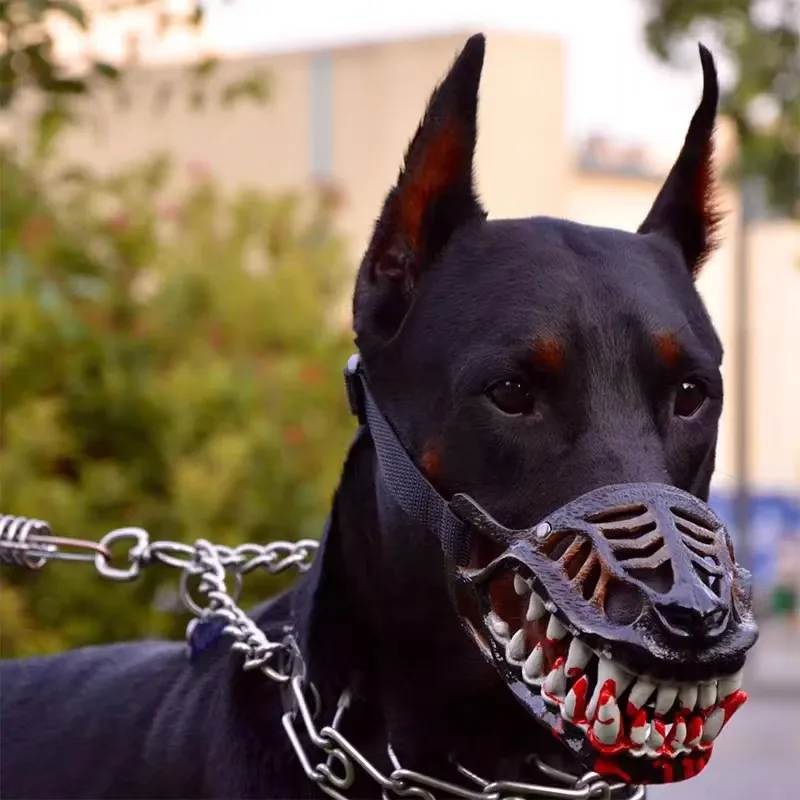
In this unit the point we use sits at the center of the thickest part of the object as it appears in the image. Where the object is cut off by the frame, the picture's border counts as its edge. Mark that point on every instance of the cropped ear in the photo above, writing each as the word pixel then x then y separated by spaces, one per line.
pixel 685 209
pixel 433 196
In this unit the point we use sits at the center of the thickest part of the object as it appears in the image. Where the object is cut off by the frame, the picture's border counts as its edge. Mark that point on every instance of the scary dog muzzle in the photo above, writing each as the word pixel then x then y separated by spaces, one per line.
pixel 636 569
pixel 621 621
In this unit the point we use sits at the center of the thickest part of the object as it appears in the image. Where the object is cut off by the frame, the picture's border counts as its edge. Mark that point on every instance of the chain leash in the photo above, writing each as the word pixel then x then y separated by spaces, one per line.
pixel 30 543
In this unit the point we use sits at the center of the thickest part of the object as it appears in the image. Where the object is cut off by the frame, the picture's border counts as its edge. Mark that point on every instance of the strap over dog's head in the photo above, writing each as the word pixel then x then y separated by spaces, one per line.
pixel 408 486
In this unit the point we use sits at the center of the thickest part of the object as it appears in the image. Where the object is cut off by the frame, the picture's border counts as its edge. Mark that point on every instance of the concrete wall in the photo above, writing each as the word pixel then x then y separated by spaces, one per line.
pixel 774 249
pixel 263 145
pixel 377 94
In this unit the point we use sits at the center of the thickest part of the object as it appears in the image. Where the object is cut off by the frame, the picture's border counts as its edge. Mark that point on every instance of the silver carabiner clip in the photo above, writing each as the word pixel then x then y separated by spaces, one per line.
pixel 141 540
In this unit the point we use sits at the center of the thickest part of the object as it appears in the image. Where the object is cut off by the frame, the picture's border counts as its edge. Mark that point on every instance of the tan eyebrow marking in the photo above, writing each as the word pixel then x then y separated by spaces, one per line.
pixel 668 349
pixel 548 354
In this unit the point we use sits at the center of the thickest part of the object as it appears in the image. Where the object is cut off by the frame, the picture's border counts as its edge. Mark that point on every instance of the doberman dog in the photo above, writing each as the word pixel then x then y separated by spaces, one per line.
pixel 519 559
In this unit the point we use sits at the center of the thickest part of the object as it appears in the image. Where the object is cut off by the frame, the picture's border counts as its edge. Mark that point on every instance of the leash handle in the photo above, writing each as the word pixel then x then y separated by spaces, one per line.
pixel 408 486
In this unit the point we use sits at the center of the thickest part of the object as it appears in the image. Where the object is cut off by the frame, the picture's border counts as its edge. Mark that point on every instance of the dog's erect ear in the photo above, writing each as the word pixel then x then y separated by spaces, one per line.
pixel 685 209
pixel 434 194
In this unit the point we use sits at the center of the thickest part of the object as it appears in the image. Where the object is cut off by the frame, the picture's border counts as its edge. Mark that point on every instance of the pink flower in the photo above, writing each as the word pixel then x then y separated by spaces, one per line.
pixel 169 211
pixel 198 171
pixel 119 222
pixel 37 231
pixel 293 435
pixel 311 375
pixel 217 337
pixel 332 196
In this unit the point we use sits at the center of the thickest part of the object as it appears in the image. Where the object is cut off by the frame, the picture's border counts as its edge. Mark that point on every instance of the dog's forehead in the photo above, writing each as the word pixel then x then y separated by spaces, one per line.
pixel 545 273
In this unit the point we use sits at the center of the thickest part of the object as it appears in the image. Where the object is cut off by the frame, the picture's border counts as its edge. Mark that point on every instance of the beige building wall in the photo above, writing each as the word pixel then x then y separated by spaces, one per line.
pixel 378 94
pixel 249 144
pixel 774 258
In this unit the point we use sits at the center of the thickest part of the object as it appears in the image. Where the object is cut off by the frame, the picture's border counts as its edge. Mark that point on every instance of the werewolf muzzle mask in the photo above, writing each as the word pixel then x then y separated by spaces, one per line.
pixel 621 621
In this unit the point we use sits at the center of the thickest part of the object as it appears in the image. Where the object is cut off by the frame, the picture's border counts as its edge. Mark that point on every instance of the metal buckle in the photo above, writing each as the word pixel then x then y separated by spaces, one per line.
pixel 355 392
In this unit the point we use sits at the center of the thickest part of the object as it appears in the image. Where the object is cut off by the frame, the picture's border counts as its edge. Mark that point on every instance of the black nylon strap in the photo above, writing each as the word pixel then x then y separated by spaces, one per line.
pixel 408 486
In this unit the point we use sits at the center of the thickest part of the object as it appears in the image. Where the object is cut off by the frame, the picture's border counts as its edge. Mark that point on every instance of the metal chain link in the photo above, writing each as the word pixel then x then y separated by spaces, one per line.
pixel 30 543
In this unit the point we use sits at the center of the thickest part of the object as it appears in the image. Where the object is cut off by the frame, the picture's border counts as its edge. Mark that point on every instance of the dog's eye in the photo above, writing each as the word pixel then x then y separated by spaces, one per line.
pixel 512 397
pixel 689 397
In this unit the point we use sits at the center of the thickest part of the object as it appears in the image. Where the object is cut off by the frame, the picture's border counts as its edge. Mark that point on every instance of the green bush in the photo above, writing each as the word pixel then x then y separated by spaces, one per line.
pixel 170 360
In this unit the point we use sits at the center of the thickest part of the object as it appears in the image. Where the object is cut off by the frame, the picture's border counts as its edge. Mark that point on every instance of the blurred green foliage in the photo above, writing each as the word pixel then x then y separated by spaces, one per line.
pixel 27 58
pixel 760 41
pixel 28 62
pixel 172 352
pixel 172 359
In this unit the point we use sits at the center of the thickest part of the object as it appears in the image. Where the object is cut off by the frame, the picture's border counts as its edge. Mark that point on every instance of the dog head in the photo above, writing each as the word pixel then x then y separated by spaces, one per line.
pixel 560 384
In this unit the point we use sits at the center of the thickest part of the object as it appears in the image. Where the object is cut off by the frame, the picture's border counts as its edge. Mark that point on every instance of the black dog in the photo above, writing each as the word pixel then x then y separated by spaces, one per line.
pixel 523 364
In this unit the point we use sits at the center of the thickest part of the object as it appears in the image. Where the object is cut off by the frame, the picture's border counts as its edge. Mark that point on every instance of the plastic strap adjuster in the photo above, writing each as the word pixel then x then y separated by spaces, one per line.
pixel 355 391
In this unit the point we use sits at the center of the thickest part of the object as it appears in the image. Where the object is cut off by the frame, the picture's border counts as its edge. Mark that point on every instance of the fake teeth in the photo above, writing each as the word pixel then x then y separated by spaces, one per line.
pixel 536 608
pixel 694 732
pixel 577 658
pixel 687 696
pixel 641 692
pixel 520 586
pixel 497 626
pixel 515 649
pixel 533 668
pixel 713 725
pixel 665 697
pixel 677 736
pixel 707 695
pixel 608 720
pixel 640 729
pixel 610 677
pixel 730 684
pixel 555 684
pixel 555 630
pixel 620 679
pixel 615 708
pixel 656 737
pixel 574 706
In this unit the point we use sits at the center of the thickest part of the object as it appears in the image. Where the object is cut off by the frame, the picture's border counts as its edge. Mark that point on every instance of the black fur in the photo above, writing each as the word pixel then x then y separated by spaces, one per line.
pixel 442 313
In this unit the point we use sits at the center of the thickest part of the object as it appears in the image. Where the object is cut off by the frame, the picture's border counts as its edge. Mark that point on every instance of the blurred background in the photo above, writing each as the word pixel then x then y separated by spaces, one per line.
pixel 187 188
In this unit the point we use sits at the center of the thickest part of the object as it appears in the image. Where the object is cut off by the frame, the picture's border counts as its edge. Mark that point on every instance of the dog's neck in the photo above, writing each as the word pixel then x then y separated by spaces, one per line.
pixel 389 634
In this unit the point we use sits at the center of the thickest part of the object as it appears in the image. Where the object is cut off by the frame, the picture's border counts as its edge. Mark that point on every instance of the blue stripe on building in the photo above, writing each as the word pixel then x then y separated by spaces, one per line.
pixel 773 517
pixel 321 115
